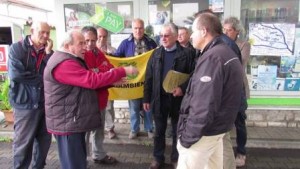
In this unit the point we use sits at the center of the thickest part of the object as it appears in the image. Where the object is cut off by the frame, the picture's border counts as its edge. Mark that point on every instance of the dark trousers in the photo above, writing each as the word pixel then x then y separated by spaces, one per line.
pixel 31 139
pixel 160 120
pixel 72 150
pixel 241 132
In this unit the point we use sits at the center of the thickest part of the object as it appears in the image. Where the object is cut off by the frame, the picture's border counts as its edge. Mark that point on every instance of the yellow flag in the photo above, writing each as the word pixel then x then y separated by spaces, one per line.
pixel 134 88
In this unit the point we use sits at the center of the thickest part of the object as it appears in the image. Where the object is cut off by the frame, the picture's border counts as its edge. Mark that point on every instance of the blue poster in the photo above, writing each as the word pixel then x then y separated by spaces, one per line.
pixel 292 84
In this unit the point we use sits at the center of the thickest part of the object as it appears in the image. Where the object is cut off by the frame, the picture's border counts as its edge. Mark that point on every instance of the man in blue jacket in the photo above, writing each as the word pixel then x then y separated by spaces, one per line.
pixel 136 44
pixel 26 63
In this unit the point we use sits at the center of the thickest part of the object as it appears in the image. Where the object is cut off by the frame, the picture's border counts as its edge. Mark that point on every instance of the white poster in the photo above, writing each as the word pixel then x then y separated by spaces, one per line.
pixel 266 77
pixel 271 39
pixel 182 12
pixel 116 39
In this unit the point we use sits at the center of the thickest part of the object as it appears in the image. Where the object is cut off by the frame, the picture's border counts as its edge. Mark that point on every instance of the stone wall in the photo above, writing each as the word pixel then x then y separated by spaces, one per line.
pixel 256 116
pixel 273 117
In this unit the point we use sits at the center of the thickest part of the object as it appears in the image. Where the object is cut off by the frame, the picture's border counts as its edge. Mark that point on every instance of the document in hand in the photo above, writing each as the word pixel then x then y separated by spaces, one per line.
pixel 173 79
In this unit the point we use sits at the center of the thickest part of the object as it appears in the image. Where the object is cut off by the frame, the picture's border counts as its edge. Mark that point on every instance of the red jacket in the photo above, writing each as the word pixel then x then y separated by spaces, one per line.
pixel 96 61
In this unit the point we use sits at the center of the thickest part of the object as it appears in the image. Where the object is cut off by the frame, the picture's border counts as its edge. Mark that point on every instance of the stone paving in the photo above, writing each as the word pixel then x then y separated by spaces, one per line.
pixel 277 148
pixel 132 156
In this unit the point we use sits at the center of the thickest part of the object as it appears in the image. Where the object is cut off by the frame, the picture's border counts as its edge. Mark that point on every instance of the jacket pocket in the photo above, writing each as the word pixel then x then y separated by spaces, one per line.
pixel 19 94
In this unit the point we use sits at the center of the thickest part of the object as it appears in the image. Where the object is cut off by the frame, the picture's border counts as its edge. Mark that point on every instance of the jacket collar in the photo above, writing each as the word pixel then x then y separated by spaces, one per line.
pixel 145 38
pixel 217 40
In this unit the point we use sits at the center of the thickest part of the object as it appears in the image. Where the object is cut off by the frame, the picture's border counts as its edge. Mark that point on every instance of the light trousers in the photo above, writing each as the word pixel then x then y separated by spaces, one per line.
pixel 207 153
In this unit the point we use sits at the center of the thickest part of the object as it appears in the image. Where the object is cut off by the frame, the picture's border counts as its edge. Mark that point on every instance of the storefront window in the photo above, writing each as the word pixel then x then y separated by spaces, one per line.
pixel 274 34
pixel 180 12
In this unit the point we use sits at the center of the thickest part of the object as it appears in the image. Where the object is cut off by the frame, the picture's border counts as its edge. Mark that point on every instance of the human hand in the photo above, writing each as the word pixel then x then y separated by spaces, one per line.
pixel 49 45
pixel 177 92
pixel 131 71
pixel 146 107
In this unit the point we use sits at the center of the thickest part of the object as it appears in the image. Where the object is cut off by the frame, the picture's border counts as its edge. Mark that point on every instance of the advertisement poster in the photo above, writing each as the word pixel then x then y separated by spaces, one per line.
pixel 272 39
pixel 113 16
pixel 3 57
pixel 292 84
pixel 266 77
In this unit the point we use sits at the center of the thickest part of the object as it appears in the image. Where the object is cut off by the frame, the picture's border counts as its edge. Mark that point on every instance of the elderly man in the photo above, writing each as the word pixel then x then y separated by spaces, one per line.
pixel 212 100
pixel 103 45
pixel 136 44
pixel 71 102
pixel 184 37
pixel 102 42
pixel 26 63
pixel 170 56
pixel 97 62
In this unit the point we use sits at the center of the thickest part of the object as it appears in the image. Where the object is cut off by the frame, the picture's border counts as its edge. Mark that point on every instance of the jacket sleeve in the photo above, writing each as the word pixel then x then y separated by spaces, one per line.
pixel 72 73
pixel 16 69
pixel 191 67
pixel 120 52
pixel 148 80
pixel 204 101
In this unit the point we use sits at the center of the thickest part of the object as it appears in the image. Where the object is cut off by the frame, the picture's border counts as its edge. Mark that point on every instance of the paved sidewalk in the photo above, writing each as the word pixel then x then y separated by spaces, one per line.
pixel 132 156
pixel 258 137
pixel 268 148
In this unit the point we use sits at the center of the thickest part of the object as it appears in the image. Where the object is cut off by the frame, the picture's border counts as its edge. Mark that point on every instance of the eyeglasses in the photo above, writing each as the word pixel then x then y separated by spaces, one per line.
pixel 164 36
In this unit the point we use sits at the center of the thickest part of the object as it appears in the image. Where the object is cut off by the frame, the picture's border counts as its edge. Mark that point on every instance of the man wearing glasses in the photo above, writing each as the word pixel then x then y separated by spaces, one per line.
pixel 170 56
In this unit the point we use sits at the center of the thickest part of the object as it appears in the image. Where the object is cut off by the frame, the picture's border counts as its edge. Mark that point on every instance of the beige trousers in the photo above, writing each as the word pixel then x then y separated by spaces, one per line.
pixel 229 160
pixel 207 153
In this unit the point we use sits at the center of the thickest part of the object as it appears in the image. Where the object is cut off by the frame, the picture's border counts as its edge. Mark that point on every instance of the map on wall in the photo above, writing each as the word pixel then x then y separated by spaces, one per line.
pixel 271 39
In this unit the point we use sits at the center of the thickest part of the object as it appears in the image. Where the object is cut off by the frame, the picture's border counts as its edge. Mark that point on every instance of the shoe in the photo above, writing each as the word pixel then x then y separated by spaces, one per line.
pixel 150 134
pixel 155 165
pixel 132 135
pixel 240 160
pixel 111 134
pixel 106 160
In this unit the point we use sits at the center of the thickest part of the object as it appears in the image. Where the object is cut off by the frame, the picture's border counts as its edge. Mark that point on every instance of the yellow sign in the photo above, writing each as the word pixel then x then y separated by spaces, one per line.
pixel 134 88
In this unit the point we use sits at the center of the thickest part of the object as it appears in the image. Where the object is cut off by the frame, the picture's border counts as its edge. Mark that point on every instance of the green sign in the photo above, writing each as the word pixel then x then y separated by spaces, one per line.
pixel 107 19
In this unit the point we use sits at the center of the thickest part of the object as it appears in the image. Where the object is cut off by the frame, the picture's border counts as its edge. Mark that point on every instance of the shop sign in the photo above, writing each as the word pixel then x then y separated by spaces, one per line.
pixel 108 19
pixel 3 57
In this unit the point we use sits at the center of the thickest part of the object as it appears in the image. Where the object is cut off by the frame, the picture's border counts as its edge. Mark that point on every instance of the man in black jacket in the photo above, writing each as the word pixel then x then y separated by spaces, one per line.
pixel 26 63
pixel 212 99
pixel 170 56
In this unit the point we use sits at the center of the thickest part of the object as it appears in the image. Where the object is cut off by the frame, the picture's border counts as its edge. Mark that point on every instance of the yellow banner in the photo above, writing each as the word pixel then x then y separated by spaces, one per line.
pixel 134 88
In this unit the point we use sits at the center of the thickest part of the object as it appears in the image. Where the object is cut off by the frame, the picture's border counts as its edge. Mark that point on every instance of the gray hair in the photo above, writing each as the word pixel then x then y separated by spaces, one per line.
pixel 186 29
pixel 36 25
pixel 172 26
pixel 68 38
pixel 235 24
pixel 138 20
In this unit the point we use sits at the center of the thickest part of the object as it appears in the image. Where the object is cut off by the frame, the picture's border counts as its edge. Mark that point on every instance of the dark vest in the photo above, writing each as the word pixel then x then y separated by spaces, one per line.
pixel 68 108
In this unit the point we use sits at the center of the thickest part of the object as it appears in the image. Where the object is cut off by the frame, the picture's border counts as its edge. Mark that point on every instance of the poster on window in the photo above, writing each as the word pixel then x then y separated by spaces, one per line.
pixel 113 16
pixel 276 39
pixel 182 13
pixel 287 64
pixel 292 84
pixel 216 5
pixel 3 57
pixel 266 77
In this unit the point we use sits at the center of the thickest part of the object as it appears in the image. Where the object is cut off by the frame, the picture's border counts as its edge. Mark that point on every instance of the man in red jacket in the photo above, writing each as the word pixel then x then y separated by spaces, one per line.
pixel 97 62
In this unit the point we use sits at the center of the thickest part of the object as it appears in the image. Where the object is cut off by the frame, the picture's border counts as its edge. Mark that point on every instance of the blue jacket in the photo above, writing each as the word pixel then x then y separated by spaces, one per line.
pixel 26 90
pixel 127 46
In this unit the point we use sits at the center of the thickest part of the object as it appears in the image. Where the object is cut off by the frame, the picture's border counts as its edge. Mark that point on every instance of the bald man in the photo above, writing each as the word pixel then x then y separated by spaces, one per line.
pixel 26 63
